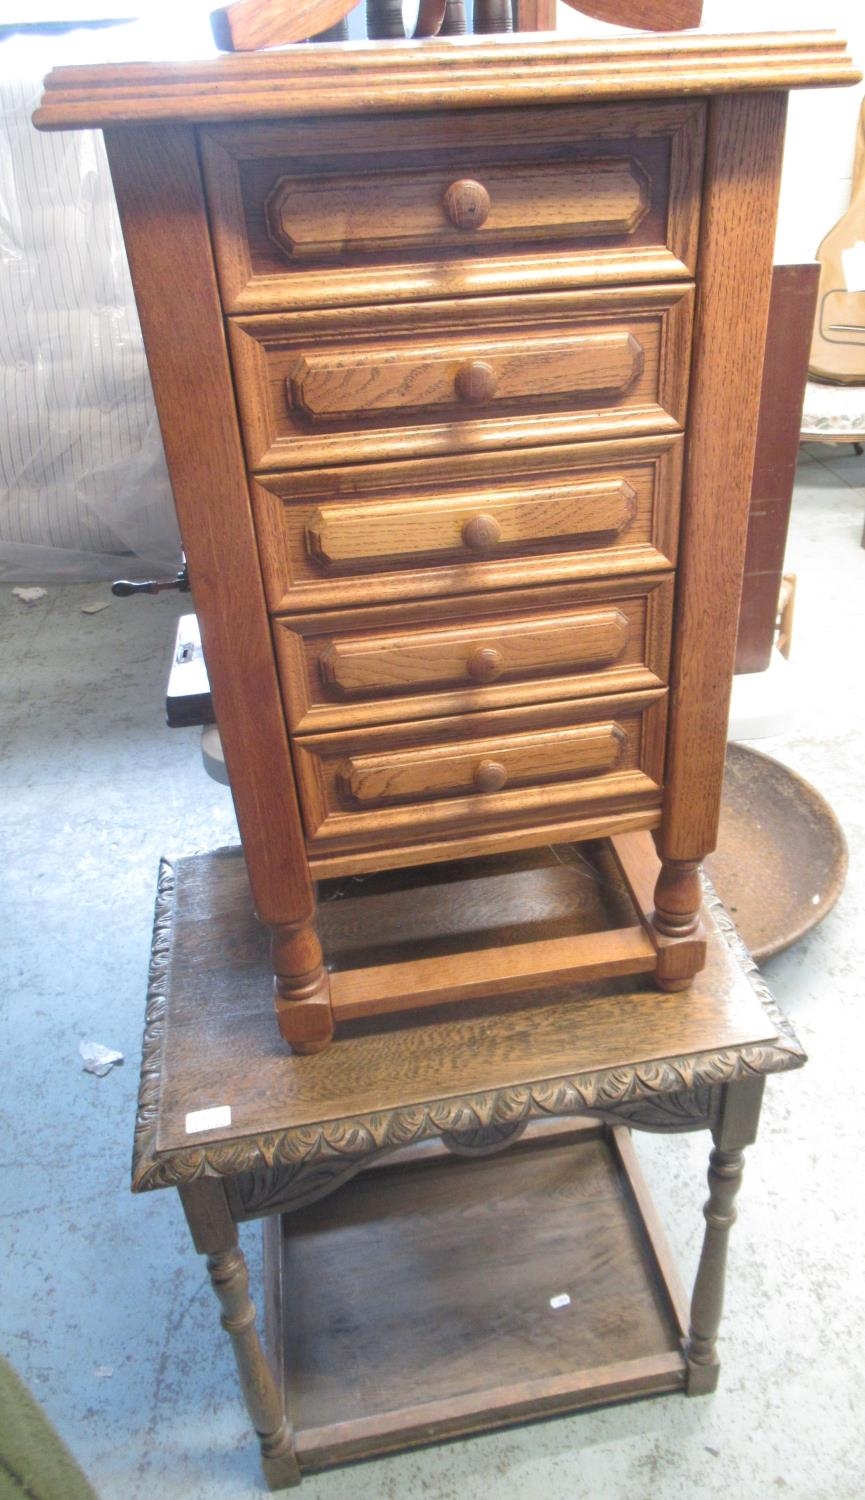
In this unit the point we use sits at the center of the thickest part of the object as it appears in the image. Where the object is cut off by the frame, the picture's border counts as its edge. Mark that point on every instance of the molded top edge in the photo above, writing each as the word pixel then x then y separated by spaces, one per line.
pixel 457 73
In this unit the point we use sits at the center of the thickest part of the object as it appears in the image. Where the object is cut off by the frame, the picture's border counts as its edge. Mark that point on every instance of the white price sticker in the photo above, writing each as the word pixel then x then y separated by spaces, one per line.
pixel 208 1119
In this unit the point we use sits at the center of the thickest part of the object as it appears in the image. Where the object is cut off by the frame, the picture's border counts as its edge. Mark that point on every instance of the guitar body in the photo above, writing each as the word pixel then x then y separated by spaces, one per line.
pixel 838 345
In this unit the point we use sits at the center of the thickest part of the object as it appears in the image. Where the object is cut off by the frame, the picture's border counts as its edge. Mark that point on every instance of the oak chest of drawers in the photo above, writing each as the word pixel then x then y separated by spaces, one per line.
pixel 457 353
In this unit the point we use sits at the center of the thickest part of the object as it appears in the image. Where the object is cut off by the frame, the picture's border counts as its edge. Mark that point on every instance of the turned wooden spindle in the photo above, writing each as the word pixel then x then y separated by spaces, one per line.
pixel 454 23
pixel 384 20
pixel 493 15
pixel 336 33
pixel 677 925
pixel 301 988
pixel 230 1280
pixel 429 17
pixel 678 894
pixel 707 1303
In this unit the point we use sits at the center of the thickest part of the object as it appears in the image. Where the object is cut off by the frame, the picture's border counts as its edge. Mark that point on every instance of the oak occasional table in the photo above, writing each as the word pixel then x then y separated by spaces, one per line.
pixel 444 1289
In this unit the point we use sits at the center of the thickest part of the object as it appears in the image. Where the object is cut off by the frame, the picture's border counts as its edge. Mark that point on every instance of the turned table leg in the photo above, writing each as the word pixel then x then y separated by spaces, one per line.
pixel 215 1235
pixel 736 1128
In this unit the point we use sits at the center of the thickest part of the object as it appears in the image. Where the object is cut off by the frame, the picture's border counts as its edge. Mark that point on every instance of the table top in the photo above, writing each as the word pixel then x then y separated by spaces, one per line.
pixel 615 1047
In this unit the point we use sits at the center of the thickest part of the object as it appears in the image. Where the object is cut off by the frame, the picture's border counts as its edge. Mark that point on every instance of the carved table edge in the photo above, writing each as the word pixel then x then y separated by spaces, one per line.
pixel 670 1094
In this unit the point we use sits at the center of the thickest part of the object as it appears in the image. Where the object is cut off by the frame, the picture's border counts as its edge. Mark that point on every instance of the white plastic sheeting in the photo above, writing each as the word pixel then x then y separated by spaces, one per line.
pixel 84 491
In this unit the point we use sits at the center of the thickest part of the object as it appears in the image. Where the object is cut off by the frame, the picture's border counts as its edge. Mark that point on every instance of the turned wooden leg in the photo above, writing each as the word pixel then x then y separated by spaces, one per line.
pixel 215 1234
pixel 738 1128
pixel 493 15
pixel 725 1179
pixel 454 23
pixel 302 988
pixel 230 1279
pixel 335 33
pixel 676 926
pixel 384 19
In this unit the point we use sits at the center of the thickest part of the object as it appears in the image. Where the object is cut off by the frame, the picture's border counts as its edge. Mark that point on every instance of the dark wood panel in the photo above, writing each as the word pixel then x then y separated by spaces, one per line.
pixel 785 372
pixel 474 1253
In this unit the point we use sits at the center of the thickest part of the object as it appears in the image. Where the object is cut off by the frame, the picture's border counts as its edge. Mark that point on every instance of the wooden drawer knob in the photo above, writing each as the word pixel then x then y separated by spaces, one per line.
pixel 476 382
pixel 485 664
pixel 489 776
pixel 467 204
pixel 481 532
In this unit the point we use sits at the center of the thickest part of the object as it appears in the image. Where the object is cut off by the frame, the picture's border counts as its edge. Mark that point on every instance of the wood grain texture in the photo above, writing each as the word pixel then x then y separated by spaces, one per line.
pixel 363 533
pixel 591 639
pixel 644 15
pixel 459 1328
pixel 159 196
pixel 745 145
pixel 518 968
pixel 316 388
pixel 405 663
pixel 552 177
pixel 600 1046
pixel 350 536
pixel 484 766
pixel 248 25
pixel 424 773
pixel 596 366
pixel 343 214
pixel 494 840
pixel 535 15
pixel 352 79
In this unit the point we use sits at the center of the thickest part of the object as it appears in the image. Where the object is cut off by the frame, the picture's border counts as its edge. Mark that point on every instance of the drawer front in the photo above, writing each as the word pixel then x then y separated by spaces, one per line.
pixel 379 666
pixel 318 212
pixel 450 377
pixel 482 772
pixel 361 534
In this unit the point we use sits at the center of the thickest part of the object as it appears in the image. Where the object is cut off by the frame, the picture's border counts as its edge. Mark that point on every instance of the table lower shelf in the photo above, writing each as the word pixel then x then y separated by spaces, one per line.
pixel 425 1298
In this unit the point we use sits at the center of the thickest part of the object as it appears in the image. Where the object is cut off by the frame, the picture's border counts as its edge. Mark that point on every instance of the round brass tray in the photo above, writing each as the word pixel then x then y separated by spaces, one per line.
pixel 781 858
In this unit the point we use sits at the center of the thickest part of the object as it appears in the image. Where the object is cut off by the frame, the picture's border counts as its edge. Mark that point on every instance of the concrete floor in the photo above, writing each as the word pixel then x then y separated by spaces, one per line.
pixel 106 1311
